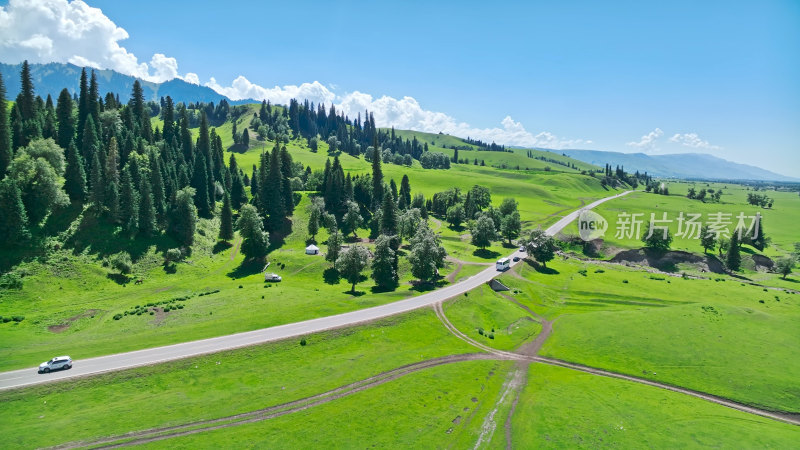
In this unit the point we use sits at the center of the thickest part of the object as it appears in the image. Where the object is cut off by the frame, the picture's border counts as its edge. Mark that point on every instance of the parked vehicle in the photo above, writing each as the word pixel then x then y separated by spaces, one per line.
pixel 57 363
pixel 516 258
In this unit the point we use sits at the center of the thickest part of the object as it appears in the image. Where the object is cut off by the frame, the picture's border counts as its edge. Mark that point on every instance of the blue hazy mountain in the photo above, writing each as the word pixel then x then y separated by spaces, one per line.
pixel 678 165
pixel 53 77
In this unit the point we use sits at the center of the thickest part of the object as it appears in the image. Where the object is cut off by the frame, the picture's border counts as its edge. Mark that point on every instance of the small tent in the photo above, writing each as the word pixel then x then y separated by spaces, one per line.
pixel 312 250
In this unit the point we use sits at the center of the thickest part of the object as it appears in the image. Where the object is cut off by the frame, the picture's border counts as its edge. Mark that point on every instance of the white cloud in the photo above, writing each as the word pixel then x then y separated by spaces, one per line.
pixel 191 78
pixel 242 88
pixel 648 141
pixel 43 31
pixel 692 140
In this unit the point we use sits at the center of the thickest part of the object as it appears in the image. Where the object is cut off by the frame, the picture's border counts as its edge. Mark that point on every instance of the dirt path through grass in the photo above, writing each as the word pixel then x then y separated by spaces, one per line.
pixel 158 434
pixel 793 419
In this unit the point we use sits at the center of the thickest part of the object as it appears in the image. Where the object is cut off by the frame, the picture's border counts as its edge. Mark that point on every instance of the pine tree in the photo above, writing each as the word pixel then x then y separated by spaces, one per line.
pixel 97 187
pixel 90 146
pixel 147 211
pixel 157 183
pixel 83 109
pixel 75 175
pixel 168 113
pixel 94 101
pixel 388 217
pixel 128 201
pixel 14 223
pixel 26 97
pixel 273 190
pixel 377 177
pixel 226 219
pixel 384 263
pixel 286 172
pixel 200 185
pixel 6 152
pixel 733 260
pixel 237 191
pixel 404 202
pixel 66 121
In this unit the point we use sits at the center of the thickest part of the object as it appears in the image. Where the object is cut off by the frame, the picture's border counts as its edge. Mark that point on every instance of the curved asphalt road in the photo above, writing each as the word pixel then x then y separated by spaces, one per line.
pixel 26 377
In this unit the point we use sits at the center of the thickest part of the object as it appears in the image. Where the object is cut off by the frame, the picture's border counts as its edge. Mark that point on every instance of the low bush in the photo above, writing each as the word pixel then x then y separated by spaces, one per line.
pixel 303 342
pixel 119 316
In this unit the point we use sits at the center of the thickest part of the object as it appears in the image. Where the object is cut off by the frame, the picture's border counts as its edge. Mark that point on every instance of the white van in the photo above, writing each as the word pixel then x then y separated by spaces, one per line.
pixel 503 264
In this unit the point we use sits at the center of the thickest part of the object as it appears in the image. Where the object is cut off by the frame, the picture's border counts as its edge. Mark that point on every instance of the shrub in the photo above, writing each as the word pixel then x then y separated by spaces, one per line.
pixel 6 319
pixel 18 318
pixel 240 286
pixel 119 316
pixel 491 336
pixel 761 301
pixel 173 255
pixel 625 281
pixel 303 342
pixel 599 271
pixel 480 331
pixel 122 262
pixel 582 272
pixel 11 280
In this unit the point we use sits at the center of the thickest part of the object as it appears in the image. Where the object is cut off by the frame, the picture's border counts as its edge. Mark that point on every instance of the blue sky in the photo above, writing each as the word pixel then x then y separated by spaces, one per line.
pixel 716 77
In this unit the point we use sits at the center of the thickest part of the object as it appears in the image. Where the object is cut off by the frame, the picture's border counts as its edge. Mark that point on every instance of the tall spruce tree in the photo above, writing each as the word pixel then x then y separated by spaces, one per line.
pixel 274 191
pixel 157 183
pixel 75 175
pixel 66 121
pixel 96 186
pixel 377 176
pixel 6 153
pixel 147 210
pixel 405 193
pixel 83 109
pixel 183 218
pixel 388 216
pixel 238 192
pixel 14 223
pixel 226 219
pixel 128 201
pixel 200 185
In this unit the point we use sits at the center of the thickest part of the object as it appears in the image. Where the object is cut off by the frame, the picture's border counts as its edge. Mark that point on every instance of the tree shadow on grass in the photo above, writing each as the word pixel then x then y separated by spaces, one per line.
pixel 221 246
pixel 540 268
pixel 425 286
pixel 170 268
pixel 383 289
pixel 119 278
pixel 331 276
pixel 246 268
pixel 355 294
pixel 507 245
pixel 485 253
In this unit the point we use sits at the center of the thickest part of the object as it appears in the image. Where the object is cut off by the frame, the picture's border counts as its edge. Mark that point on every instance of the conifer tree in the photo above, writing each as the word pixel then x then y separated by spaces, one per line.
pixel 255 242
pixel 200 185
pixel 157 183
pixel 74 176
pixel 147 211
pixel 226 219
pixel 6 152
pixel 377 176
pixel 237 191
pixel 17 132
pixel 404 202
pixel 128 201
pixel 83 110
pixel 14 223
pixel 733 260
pixel 96 186
pixel 384 263
pixel 66 122
pixel 26 98
pixel 90 146
pixel 388 216
pixel 274 192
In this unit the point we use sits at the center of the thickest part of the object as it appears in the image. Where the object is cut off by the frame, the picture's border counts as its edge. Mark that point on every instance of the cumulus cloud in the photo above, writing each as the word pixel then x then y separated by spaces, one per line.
pixel 242 88
pixel 648 141
pixel 692 140
pixel 43 31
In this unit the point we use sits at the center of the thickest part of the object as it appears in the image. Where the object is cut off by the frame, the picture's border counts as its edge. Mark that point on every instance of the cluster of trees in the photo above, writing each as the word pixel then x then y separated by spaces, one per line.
pixel 347 203
pixel 552 160
pixel 704 194
pixel 657 188
pixel 106 155
pixel 484 146
pixel 759 200
pixel 617 176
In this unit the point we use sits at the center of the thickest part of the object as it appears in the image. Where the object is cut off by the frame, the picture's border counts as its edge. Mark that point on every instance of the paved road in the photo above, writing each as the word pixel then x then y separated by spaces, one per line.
pixel 26 377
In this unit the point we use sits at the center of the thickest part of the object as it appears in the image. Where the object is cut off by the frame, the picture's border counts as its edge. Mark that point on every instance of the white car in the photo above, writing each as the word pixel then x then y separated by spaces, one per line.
pixel 272 277
pixel 57 363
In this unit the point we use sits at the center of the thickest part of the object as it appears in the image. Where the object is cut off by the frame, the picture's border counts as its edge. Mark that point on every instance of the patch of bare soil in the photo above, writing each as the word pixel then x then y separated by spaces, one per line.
pixel 452 277
pixel 64 326
pixel 668 261
pixel 159 316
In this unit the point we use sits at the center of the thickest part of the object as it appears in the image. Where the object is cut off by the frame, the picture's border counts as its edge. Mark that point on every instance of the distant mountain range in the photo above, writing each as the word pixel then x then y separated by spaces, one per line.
pixel 680 165
pixel 53 77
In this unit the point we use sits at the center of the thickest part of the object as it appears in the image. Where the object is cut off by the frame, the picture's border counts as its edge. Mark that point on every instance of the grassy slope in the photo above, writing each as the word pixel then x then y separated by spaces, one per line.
pixel 483 308
pixel 706 335
pixel 221 384
pixel 429 409
pixel 563 408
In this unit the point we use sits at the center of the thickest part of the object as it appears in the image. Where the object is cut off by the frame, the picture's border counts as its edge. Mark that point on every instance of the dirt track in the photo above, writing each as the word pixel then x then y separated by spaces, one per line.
pixel 157 434
pixel 792 419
